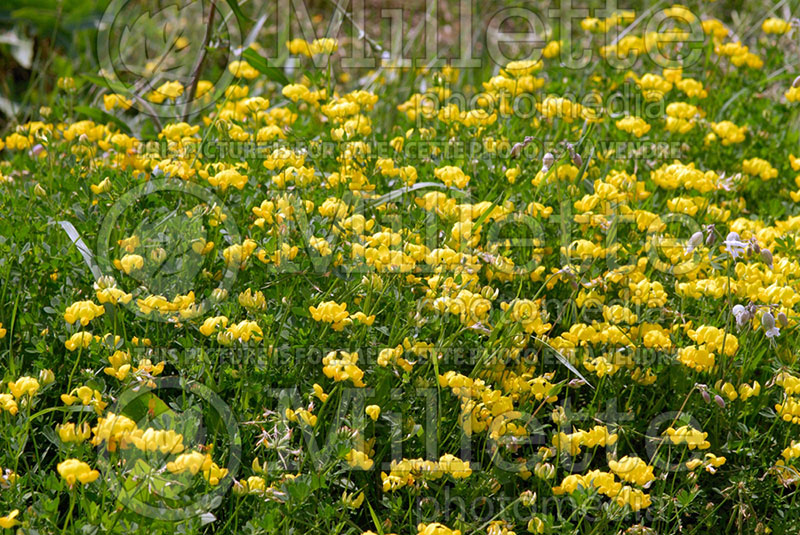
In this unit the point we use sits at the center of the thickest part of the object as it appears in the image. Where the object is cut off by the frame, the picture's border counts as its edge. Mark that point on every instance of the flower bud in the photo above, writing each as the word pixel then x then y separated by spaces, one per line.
pixel 548 160
pixel 37 150
pixel 796 82
pixel 527 498
pixel 782 319
pixel 694 241
pixel 544 470
pixel 719 401
pixel 39 191
pixel 46 377
pixel 516 150
pixel 105 281
pixel 158 255
pixel 577 160
pixel 487 292
pixel 706 395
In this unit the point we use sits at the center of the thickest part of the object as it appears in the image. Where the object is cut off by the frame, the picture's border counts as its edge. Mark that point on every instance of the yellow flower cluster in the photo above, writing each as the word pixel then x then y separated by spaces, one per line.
pixel 605 483
pixel 685 434
pixel 76 471
pixel 571 443
pixel 341 366
pixel 336 314
pixel 407 472
pixel 634 125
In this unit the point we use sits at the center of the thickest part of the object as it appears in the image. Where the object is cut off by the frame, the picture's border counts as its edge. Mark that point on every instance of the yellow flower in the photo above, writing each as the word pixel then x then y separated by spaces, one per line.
pixel 79 339
pixel 242 69
pixel 352 502
pixel 373 411
pixel 452 176
pixel 634 125
pixel 8 404
pixel 298 47
pixel 632 470
pixel 167 90
pixel 294 92
pixel 86 396
pixel 112 429
pixel 359 459
pixel 436 529
pixel 102 187
pixel 85 311
pixel 552 49
pixel 454 466
pixel 66 83
pixel 728 132
pixel 22 386
pixel 341 366
pixel 689 436
pixel 324 46
pixel 193 461
pixel 760 168
pixel 228 177
pixel 165 441
pixel 130 263
pixel 774 25
pixel 69 432
pixel 329 312
pixel 115 100
pixel 730 391
pixel 10 520
pixel 73 470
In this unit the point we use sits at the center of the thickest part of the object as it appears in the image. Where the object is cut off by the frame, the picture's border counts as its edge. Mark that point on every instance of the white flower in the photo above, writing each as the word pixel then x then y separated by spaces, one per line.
pixel 741 314
pixel 734 245
pixel 768 324
pixel 728 183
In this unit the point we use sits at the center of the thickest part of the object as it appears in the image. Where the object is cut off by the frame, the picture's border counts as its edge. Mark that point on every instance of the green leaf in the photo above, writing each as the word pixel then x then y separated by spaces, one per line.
pixel 100 116
pixel 98 81
pixel 240 16
pixel 259 63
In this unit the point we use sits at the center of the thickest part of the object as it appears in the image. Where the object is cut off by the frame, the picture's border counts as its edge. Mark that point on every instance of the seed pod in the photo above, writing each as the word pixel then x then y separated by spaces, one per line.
pixel 719 401
pixel 796 82
pixel 766 255
pixel 782 319
pixel 548 160
pixel 767 321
